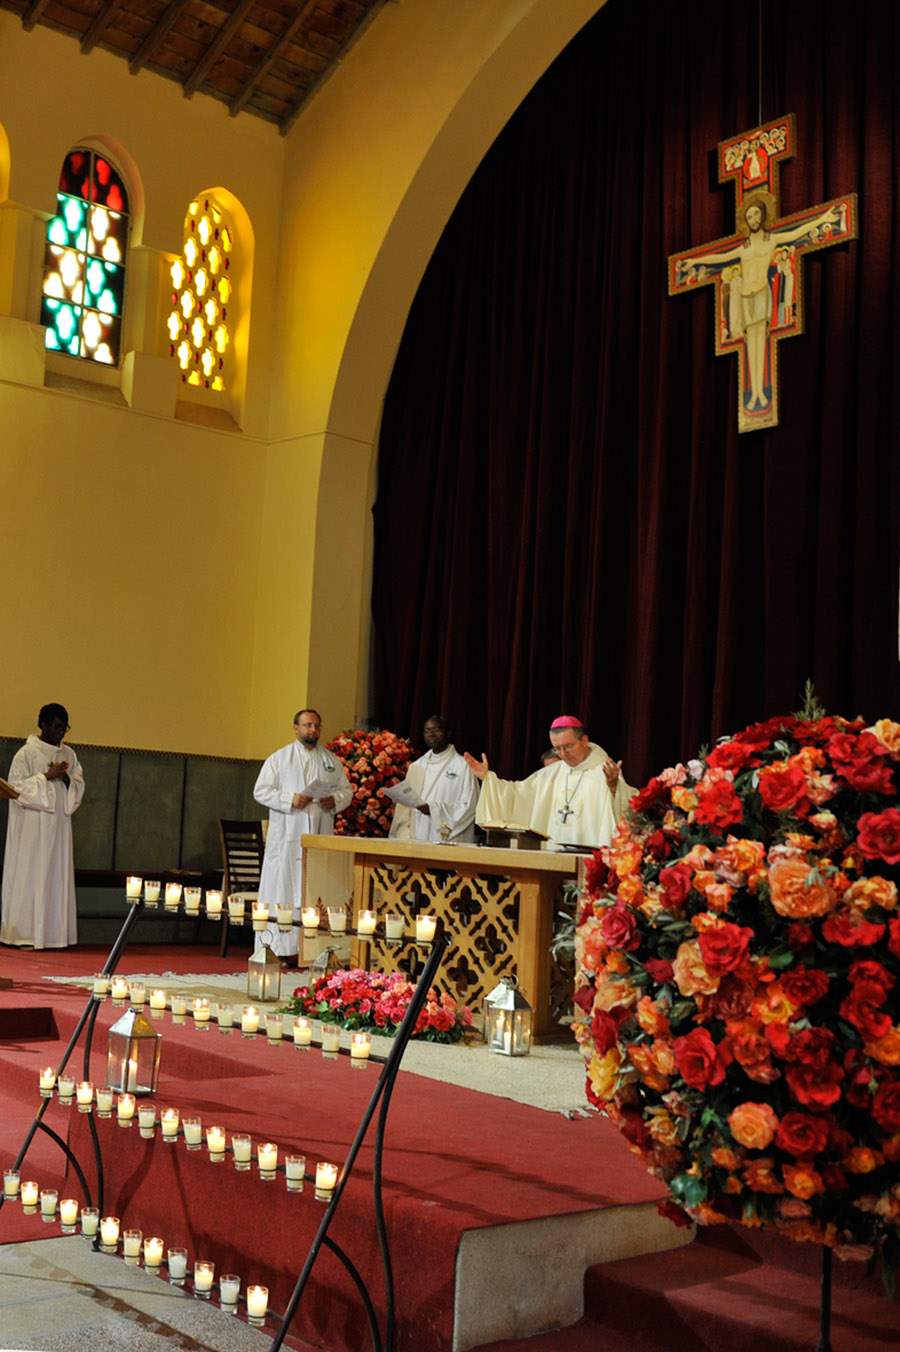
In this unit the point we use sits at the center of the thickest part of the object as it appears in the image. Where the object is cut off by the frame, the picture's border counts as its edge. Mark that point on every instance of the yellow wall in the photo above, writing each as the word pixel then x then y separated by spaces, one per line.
pixel 187 588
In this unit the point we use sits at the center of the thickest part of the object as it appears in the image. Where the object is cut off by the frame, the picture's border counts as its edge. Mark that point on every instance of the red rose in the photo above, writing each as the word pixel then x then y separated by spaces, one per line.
pixel 673 1212
pixel 719 805
pixel 596 874
pixel 724 948
pixel 862 761
pixel 783 787
pixel 851 931
pixel 804 985
pixel 676 884
pixel 659 969
pixel 729 756
pixel 815 1086
pixel 760 735
pixel 811 1046
pixel 879 835
pixel 862 1008
pixel 801 1135
pixel 894 940
pixel 867 969
pixel 604 1030
pixel 886 1105
pixel 698 1059
pixel 799 935
pixel 619 928
pixel 634 1129
pixel 650 794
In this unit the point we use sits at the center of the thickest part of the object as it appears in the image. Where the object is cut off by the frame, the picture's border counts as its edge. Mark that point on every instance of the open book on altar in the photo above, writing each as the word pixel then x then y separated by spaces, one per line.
pixel 7 790
pixel 512 836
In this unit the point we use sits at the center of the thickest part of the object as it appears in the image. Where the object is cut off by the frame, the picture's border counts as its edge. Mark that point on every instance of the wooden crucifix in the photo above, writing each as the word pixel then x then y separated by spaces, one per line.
pixel 757 271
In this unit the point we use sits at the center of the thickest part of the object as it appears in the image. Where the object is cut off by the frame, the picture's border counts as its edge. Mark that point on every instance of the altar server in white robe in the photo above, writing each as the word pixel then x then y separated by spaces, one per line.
pixel 578 801
pixel 447 787
pixel 39 908
pixel 282 788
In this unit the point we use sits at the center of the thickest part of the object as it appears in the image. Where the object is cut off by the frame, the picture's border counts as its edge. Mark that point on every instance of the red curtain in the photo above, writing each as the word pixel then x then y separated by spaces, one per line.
pixel 567 519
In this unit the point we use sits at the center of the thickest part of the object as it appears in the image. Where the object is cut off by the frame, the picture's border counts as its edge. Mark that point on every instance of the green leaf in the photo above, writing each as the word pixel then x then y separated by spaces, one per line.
pixel 688 1189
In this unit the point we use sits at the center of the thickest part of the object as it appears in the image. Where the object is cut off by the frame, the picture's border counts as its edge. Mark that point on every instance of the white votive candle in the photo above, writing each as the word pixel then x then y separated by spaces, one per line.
pixel 66 1088
pixel 250 1021
pixel 425 927
pixel 47 1081
pixel 302 1033
pixel 68 1214
pixel 90 1220
pixel 310 917
pixel 201 1010
pixel 10 1182
pixel 295 1172
pixel 360 1046
pixel 125 1108
pixel 169 1123
pixel 158 998
pixel 153 1251
pixel 133 887
pixel 84 1094
pixel 152 890
pixel 131 1243
pixel 214 905
pixel 331 1038
pixel 393 927
pixel 109 1231
pixel 173 894
pixel 225 1015
pixel 236 909
pixel 365 923
pixel 229 1290
pixel 257 1303
pixel 101 986
pixel 285 918
pixel 337 920
pixel 326 1177
pixel 179 1003
pixel 193 1132
pixel 260 915
pixel 147 1120
pixel 49 1197
pixel 119 989
pixel 177 1265
pixel 30 1195
pixel 274 1027
pixel 104 1101
pixel 204 1272
pixel 267 1154
pixel 242 1147
pixel 138 992
pixel 192 897
pixel 215 1143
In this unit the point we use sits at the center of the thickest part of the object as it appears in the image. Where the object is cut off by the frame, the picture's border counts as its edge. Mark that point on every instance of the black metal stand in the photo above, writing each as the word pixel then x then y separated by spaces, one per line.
pixel 824 1343
pixel 382 1093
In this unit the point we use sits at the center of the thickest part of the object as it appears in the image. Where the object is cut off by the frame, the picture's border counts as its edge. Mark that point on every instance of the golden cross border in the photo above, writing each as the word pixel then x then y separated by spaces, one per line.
pixel 757 271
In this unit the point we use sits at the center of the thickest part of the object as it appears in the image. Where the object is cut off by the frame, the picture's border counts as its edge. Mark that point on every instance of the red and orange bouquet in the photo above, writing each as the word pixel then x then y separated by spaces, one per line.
pixel 357 1000
pixel 737 999
pixel 373 760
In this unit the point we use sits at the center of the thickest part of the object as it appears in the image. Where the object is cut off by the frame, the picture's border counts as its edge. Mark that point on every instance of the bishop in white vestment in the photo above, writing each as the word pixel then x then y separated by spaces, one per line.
pixel 447 787
pixel 39 905
pixel 282 787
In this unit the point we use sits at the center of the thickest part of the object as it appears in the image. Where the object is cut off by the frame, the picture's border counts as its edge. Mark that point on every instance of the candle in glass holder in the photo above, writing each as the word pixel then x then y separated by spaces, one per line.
pixel 131 1244
pixel 30 1194
pixel 331 1038
pixel 119 990
pixel 133 888
pixel 125 1109
pixel 225 1016
pixel 260 915
pixel 257 1304
pixel 10 1182
pixel 393 927
pixel 90 1220
pixel 49 1198
pixel 147 1120
pixel 104 1101
pixel 215 1144
pixel 214 905
pixel 109 1233
pixel 169 1122
pixel 153 1252
pixel 310 917
pixel 68 1215
pixel 66 1088
pixel 84 1095
pixel 201 1011
pixel 158 998
pixel 193 1132
pixel 285 918
pixel 249 1021
pixel 294 1172
pixel 326 1177
pixel 236 909
pixel 204 1272
pixel 101 986
pixel 177 1265
pixel 242 1146
pixel 337 920
pixel 274 1027
pixel 267 1154
pixel 138 993
pixel 173 896
pixel 360 1046
pixel 179 1003
pixel 365 923
pixel 151 890
pixel 425 927
pixel 192 896
pixel 302 1033
pixel 229 1290
pixel 47 1081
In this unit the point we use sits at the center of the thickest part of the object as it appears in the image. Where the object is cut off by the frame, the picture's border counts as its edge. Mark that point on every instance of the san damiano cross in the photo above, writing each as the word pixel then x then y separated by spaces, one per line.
pixel 757 271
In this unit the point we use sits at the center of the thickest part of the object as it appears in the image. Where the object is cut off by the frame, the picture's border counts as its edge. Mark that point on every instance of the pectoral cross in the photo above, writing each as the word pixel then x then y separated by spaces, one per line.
pixel 757 271
pixel 565 812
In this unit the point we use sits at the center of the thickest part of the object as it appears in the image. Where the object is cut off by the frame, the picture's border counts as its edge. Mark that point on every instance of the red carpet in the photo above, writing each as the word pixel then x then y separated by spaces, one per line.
pixel 454 1159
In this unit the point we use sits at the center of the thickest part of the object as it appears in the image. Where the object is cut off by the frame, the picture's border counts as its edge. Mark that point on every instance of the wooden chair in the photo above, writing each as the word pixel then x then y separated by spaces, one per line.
pixel 242 855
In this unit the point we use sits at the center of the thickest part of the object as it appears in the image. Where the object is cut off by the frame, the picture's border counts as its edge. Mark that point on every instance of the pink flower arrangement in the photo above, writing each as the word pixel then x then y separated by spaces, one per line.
pixel 738 957
pixel 373 760
pixel 377 1003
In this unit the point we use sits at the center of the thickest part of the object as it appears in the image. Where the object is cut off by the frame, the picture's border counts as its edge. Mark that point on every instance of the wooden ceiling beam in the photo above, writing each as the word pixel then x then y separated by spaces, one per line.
pixel 217 47
pixel 102 19
pixel 33 13
pixel 156 35
pixel 271 56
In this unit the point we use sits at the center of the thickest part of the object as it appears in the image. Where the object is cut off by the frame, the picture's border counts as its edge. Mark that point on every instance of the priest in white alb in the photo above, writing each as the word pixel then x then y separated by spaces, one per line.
pixel 575 802
pixel 446 789
pixel 304 786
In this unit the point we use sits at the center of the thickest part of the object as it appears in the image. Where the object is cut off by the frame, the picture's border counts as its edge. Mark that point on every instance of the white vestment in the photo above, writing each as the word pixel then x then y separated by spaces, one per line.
pixel 285 773
pixel 447 785
pixel 39 906
pixel 572 805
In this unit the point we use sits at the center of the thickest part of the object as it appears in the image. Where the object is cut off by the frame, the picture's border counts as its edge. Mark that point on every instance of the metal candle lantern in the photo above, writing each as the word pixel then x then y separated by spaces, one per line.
pixel 509 1020
pixel 264 975
pixel 132 1063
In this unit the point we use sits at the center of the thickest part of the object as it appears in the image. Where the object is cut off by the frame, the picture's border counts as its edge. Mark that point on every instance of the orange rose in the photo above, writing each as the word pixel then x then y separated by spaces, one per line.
pixel 890 1148
pixel 760 1176
pixel 875 891
pixel 733 1184
pixel 718 896
pixel 723 1158
pixel 684 799
pixel 651 1018
pixel 603 1072
pixel 773 1006
pixel 886 1050
pixel 753 1125
pixel 663 1129
pixel 888 734
pixel 797 892
pixel 862 1160
pixel 691 976
pixel 802 1181
pixel 662 1054
pixel 630 890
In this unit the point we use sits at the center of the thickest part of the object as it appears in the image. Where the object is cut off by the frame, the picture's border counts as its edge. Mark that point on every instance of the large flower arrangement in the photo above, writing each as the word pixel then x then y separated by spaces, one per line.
pixel 372 761
pixel 738 953
pixel 370 1000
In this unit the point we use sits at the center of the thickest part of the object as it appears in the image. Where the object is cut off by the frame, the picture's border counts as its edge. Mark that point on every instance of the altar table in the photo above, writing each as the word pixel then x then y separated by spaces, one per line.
pixel 498 905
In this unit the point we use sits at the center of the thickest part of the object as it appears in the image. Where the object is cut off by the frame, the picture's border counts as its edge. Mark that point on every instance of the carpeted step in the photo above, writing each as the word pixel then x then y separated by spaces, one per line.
pixel 585 1336
pixel 721 1292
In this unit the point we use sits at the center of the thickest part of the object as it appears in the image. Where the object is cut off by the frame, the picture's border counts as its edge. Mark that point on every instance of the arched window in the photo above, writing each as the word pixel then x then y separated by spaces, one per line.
pixel 84 260
pixel 202 285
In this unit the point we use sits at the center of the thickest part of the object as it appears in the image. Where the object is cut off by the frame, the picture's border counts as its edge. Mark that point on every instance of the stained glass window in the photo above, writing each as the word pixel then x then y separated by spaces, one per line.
pixel 84 260
pixel 201 289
